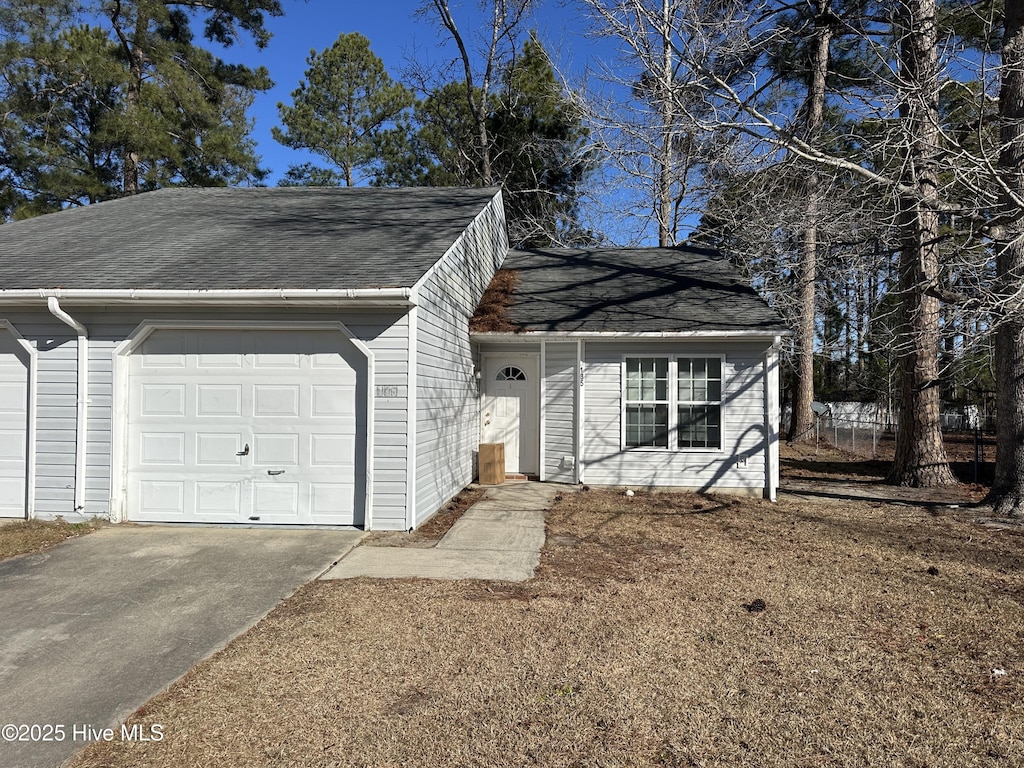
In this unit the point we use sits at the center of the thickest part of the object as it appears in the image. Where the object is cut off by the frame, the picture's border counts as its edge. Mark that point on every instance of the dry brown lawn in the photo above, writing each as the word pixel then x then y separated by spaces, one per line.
pixel 24 536
pixel 669 630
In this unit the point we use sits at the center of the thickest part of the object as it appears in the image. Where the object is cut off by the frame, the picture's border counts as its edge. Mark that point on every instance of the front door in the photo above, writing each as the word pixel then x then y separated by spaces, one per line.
pixel 510 412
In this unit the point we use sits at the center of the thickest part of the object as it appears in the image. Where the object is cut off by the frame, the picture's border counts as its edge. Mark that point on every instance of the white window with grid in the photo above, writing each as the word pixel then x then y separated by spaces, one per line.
pixel 656 389
pixel 699 402
pixel 647 402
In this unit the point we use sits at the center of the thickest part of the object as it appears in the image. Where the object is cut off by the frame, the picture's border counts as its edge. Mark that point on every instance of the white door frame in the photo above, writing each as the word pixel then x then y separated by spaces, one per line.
pixel 119 421
pixel 515 358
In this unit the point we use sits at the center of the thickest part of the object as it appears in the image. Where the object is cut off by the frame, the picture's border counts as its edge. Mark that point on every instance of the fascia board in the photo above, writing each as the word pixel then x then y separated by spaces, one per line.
pixel 612 335
pixel 342 297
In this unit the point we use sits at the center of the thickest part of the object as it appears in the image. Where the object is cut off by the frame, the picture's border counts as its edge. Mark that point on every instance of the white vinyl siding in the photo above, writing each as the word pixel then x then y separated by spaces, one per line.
pixel 559 411
pixel 55 420
pixel 447 426
pixel 387 336
pixel 384 332
pixel 740 464
pixel 97 457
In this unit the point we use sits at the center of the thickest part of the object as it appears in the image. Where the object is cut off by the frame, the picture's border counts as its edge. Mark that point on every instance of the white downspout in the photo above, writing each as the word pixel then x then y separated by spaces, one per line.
pixel 771 420
pixel 82 415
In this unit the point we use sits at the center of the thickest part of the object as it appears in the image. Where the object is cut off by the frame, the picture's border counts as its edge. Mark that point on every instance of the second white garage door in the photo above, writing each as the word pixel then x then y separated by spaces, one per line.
pixel 245 427
pixel 13 426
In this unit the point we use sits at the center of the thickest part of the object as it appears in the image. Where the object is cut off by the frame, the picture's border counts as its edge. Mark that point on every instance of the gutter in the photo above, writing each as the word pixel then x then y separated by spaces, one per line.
pixel 82 414
pixel 261 296
pixel 612 335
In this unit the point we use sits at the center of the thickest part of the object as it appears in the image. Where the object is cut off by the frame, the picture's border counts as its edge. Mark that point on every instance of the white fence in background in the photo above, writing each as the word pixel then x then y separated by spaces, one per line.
pixel 860 427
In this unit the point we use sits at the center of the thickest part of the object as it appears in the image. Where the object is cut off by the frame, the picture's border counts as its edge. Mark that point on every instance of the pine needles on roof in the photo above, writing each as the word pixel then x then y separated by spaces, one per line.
pixel 492 313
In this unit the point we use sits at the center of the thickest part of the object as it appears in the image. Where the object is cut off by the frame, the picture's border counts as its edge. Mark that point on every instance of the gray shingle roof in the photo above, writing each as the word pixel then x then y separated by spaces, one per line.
pixel 640 290
pixel 252 238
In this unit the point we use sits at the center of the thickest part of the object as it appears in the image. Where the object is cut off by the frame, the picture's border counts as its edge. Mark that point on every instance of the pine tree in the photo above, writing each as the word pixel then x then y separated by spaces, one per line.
pixel 343 111
pixel 535 151
pixel 109 97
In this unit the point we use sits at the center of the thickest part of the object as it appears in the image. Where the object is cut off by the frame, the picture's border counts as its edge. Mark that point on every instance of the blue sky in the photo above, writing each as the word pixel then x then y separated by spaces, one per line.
pixel 395 35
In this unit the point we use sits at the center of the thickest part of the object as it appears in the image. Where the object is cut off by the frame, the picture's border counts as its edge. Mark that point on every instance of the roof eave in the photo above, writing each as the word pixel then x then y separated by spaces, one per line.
pixel 323 297
pixel 759 335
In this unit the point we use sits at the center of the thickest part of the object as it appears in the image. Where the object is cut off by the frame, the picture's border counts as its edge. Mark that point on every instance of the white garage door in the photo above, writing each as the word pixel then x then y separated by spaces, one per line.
pixel 243 426
pixel 13 426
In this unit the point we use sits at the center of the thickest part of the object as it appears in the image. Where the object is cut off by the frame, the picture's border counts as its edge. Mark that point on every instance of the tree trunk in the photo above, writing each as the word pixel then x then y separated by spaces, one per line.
pixel 135 53
pixel 801 427
pixel 477 103
pixel 666 236
pixel 920 454
pixel 1007 494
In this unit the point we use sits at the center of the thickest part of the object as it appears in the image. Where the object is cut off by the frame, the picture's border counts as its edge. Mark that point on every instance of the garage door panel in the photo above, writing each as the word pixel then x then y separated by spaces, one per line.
pixel 332 451
pixel 275 360
pixel 218 361
pixel 14 366
pixel 218 498
pixel 331 498
pixel 218 400
pixel 12 445
pixel 12 496
pixel 163 400
pixel 275 450
pixel 219 449
pixel 161 499
pixel 332 402
pixel 13 394
pixel 245 404
pixel 162 448
pixel 276 499
pixel 275 400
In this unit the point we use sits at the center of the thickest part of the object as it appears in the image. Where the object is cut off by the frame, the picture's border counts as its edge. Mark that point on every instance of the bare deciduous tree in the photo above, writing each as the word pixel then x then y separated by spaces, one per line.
pixel 1008 489
pixel 899 159
pixel 506 17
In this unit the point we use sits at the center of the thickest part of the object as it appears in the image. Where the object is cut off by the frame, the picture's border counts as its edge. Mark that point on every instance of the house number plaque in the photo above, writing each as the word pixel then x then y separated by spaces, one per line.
pixel 386 390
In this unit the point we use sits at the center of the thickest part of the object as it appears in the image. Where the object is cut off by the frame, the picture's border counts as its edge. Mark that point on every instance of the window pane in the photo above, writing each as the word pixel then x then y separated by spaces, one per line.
pixel 647 378
pixel 700 426
pixel 700 388
pixel 700 379
pixel 714 390
pixel 634 378
pixel 647 425
pixel 661 378
pixel 632 385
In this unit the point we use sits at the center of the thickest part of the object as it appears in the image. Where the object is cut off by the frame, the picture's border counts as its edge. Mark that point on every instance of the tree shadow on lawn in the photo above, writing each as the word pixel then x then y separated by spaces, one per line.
pixel 831 489
pixel 841 477
pixel 873 470
pixel 940 540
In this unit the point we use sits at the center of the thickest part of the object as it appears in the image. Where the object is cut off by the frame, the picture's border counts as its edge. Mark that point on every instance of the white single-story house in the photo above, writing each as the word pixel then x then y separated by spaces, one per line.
pixel 305 356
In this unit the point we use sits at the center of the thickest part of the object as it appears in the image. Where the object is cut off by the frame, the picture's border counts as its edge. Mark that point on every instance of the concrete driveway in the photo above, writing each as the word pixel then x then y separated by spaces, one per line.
pixel 94 627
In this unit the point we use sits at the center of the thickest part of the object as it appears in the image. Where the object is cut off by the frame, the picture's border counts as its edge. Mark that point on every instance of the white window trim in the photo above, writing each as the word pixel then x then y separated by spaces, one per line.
pixel 673 404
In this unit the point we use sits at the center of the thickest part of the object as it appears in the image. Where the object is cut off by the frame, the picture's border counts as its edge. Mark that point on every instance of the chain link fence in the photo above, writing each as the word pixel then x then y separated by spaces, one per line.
pixel 869 429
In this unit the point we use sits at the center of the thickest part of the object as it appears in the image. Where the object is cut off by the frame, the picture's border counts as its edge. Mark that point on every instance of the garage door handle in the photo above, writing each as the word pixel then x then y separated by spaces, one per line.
pixel 275 471
pixel 243 452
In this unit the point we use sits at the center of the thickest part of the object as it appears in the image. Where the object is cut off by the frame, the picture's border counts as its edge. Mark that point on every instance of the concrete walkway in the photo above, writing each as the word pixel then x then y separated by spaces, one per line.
pixel 497 538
